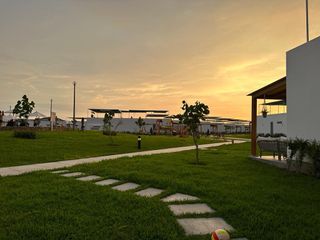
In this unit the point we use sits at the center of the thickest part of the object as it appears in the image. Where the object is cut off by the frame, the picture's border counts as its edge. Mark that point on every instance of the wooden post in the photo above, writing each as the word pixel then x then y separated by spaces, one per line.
pixel 254 126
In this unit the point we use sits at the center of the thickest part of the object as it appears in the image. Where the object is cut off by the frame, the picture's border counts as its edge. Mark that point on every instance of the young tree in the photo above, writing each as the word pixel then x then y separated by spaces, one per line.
pixel 141 123
pixel 24 108
pixel 107 127
pixel 191 117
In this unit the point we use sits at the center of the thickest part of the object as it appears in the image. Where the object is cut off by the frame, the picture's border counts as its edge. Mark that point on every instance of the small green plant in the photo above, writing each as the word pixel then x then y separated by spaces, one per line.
pixel 264 113
pixel 191 117
pixel 141 123
pixel 23 108
pixel 314 154
pixel 107 126
pixel 299 149
pixel 26 134
pixel 108 133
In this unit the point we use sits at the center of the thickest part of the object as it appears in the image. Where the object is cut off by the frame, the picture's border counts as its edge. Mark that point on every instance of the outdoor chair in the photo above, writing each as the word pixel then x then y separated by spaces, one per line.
pixel 276 146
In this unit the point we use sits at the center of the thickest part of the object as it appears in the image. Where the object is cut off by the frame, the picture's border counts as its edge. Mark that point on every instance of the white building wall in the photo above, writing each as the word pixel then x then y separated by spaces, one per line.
pixel 279 122
pixel 303 91
pixel 205 127
pixel 120 125
pixel 220 128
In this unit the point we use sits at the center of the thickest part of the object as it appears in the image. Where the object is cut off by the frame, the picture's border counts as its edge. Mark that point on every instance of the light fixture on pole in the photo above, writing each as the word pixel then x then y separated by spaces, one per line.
pixel 74 106
pixel 51 116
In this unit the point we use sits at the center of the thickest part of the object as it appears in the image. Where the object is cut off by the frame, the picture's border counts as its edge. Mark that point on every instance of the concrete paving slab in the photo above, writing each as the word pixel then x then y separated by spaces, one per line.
pixel 203 226
pixel 149 192
pixel 107 182
pixel 89 178
pixel 196 208
pixel 126 187
pixel 18 170
pixel 60 171
pixel 73 174
pixel 179 197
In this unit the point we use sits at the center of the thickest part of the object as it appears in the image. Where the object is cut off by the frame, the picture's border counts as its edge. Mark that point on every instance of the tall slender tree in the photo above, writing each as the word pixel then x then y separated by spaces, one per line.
pixel 141 123
pixel 107 126
pixel 191 117
pixel 23 108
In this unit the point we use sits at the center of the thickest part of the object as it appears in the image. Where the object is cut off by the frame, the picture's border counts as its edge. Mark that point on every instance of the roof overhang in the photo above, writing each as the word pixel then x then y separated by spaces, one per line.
pixel 275 90
pixel 102 110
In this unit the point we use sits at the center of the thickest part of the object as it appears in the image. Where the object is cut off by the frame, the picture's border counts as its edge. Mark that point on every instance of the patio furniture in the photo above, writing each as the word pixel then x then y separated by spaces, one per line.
pixel 277 146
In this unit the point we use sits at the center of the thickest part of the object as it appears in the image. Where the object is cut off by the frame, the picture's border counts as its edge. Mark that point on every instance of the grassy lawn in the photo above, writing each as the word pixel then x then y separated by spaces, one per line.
pixel 240 135
pixel 262 202
pixel 55 146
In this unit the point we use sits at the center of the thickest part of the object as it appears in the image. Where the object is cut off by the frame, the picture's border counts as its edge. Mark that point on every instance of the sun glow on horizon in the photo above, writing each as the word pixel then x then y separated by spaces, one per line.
pixel 147 55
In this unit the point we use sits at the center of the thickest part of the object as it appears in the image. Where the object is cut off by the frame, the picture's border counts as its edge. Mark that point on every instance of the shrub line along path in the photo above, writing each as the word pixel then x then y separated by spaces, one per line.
pixel 18 170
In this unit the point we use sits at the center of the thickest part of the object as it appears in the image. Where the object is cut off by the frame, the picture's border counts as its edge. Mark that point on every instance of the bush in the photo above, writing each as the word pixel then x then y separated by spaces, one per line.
pixel 314 154
pixel 113 133
pixel 276 135
pixel 301 148
pixel 27 134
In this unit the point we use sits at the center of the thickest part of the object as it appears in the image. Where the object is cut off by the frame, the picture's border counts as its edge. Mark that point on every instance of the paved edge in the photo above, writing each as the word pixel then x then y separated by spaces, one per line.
pixel 18 170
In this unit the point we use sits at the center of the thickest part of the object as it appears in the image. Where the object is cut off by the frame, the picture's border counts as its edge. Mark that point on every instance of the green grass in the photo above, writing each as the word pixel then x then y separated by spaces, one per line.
pixel 55 146
pixel 242 135
pixel 262 202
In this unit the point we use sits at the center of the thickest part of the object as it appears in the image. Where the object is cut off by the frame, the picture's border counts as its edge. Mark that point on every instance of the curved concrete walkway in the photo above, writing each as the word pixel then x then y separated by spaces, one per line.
pixel 18 170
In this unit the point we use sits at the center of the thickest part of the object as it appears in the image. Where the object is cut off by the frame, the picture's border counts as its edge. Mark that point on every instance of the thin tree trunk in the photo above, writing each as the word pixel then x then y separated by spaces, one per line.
pixel 110 133
pixel 195 140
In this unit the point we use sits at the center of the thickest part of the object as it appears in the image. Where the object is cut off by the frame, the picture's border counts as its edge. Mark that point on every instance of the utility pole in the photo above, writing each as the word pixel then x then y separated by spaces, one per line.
pixel 74 106
pixel 51 120
pixel 307 19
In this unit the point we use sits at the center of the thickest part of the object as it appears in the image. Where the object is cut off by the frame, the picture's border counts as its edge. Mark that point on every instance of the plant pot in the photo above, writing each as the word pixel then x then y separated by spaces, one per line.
pixel 264 114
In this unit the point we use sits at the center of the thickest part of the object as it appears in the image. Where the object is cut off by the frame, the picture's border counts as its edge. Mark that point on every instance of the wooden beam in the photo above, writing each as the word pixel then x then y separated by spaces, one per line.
pixel 254 126
pixel 276 88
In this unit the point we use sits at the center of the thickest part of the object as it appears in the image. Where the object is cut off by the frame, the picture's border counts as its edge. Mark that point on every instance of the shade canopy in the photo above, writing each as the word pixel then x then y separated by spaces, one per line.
pixel 37 114
pixel 275 90
pixel 276 103
pixel 101 110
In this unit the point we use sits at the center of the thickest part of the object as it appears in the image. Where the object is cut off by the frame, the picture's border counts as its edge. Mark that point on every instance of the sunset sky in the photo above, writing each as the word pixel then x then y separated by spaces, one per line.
pixel 146 54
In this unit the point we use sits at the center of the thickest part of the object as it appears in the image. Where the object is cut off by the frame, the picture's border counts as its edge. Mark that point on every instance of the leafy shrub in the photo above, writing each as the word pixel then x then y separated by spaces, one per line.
pixel 314 154
pixel 27 134
pixel 299 149
pixel 107 133
pixel 276 135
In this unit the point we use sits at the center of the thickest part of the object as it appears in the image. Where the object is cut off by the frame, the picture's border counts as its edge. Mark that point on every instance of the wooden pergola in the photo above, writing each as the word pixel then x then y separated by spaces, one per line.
pixel 273 91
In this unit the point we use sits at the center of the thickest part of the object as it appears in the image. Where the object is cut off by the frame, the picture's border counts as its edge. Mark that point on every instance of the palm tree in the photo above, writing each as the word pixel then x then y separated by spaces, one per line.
pixel 141 123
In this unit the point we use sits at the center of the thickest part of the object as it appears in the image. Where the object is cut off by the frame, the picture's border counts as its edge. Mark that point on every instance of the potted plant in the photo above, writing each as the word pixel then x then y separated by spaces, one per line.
pixel 264 112
pixel 299 149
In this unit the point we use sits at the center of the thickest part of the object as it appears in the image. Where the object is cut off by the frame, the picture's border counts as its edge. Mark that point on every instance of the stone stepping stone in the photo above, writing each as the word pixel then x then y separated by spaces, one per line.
pixel 196 208
pixel 60 171
pixel 73 174
pixel 203 226
pixel 179 197
pixel 126 187
pixel 89 178
pixel 149 192
pixel 107 182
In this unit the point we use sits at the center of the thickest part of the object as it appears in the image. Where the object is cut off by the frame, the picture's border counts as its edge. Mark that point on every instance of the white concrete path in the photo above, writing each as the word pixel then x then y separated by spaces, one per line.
pixel 18 170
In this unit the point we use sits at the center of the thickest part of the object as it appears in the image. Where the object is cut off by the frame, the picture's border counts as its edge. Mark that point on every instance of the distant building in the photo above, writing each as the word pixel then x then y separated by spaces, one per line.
pixel 159 122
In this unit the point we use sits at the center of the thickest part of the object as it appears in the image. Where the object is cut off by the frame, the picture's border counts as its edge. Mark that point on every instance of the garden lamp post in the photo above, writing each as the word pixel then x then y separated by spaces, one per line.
pixel 139 142
pixel 74 106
